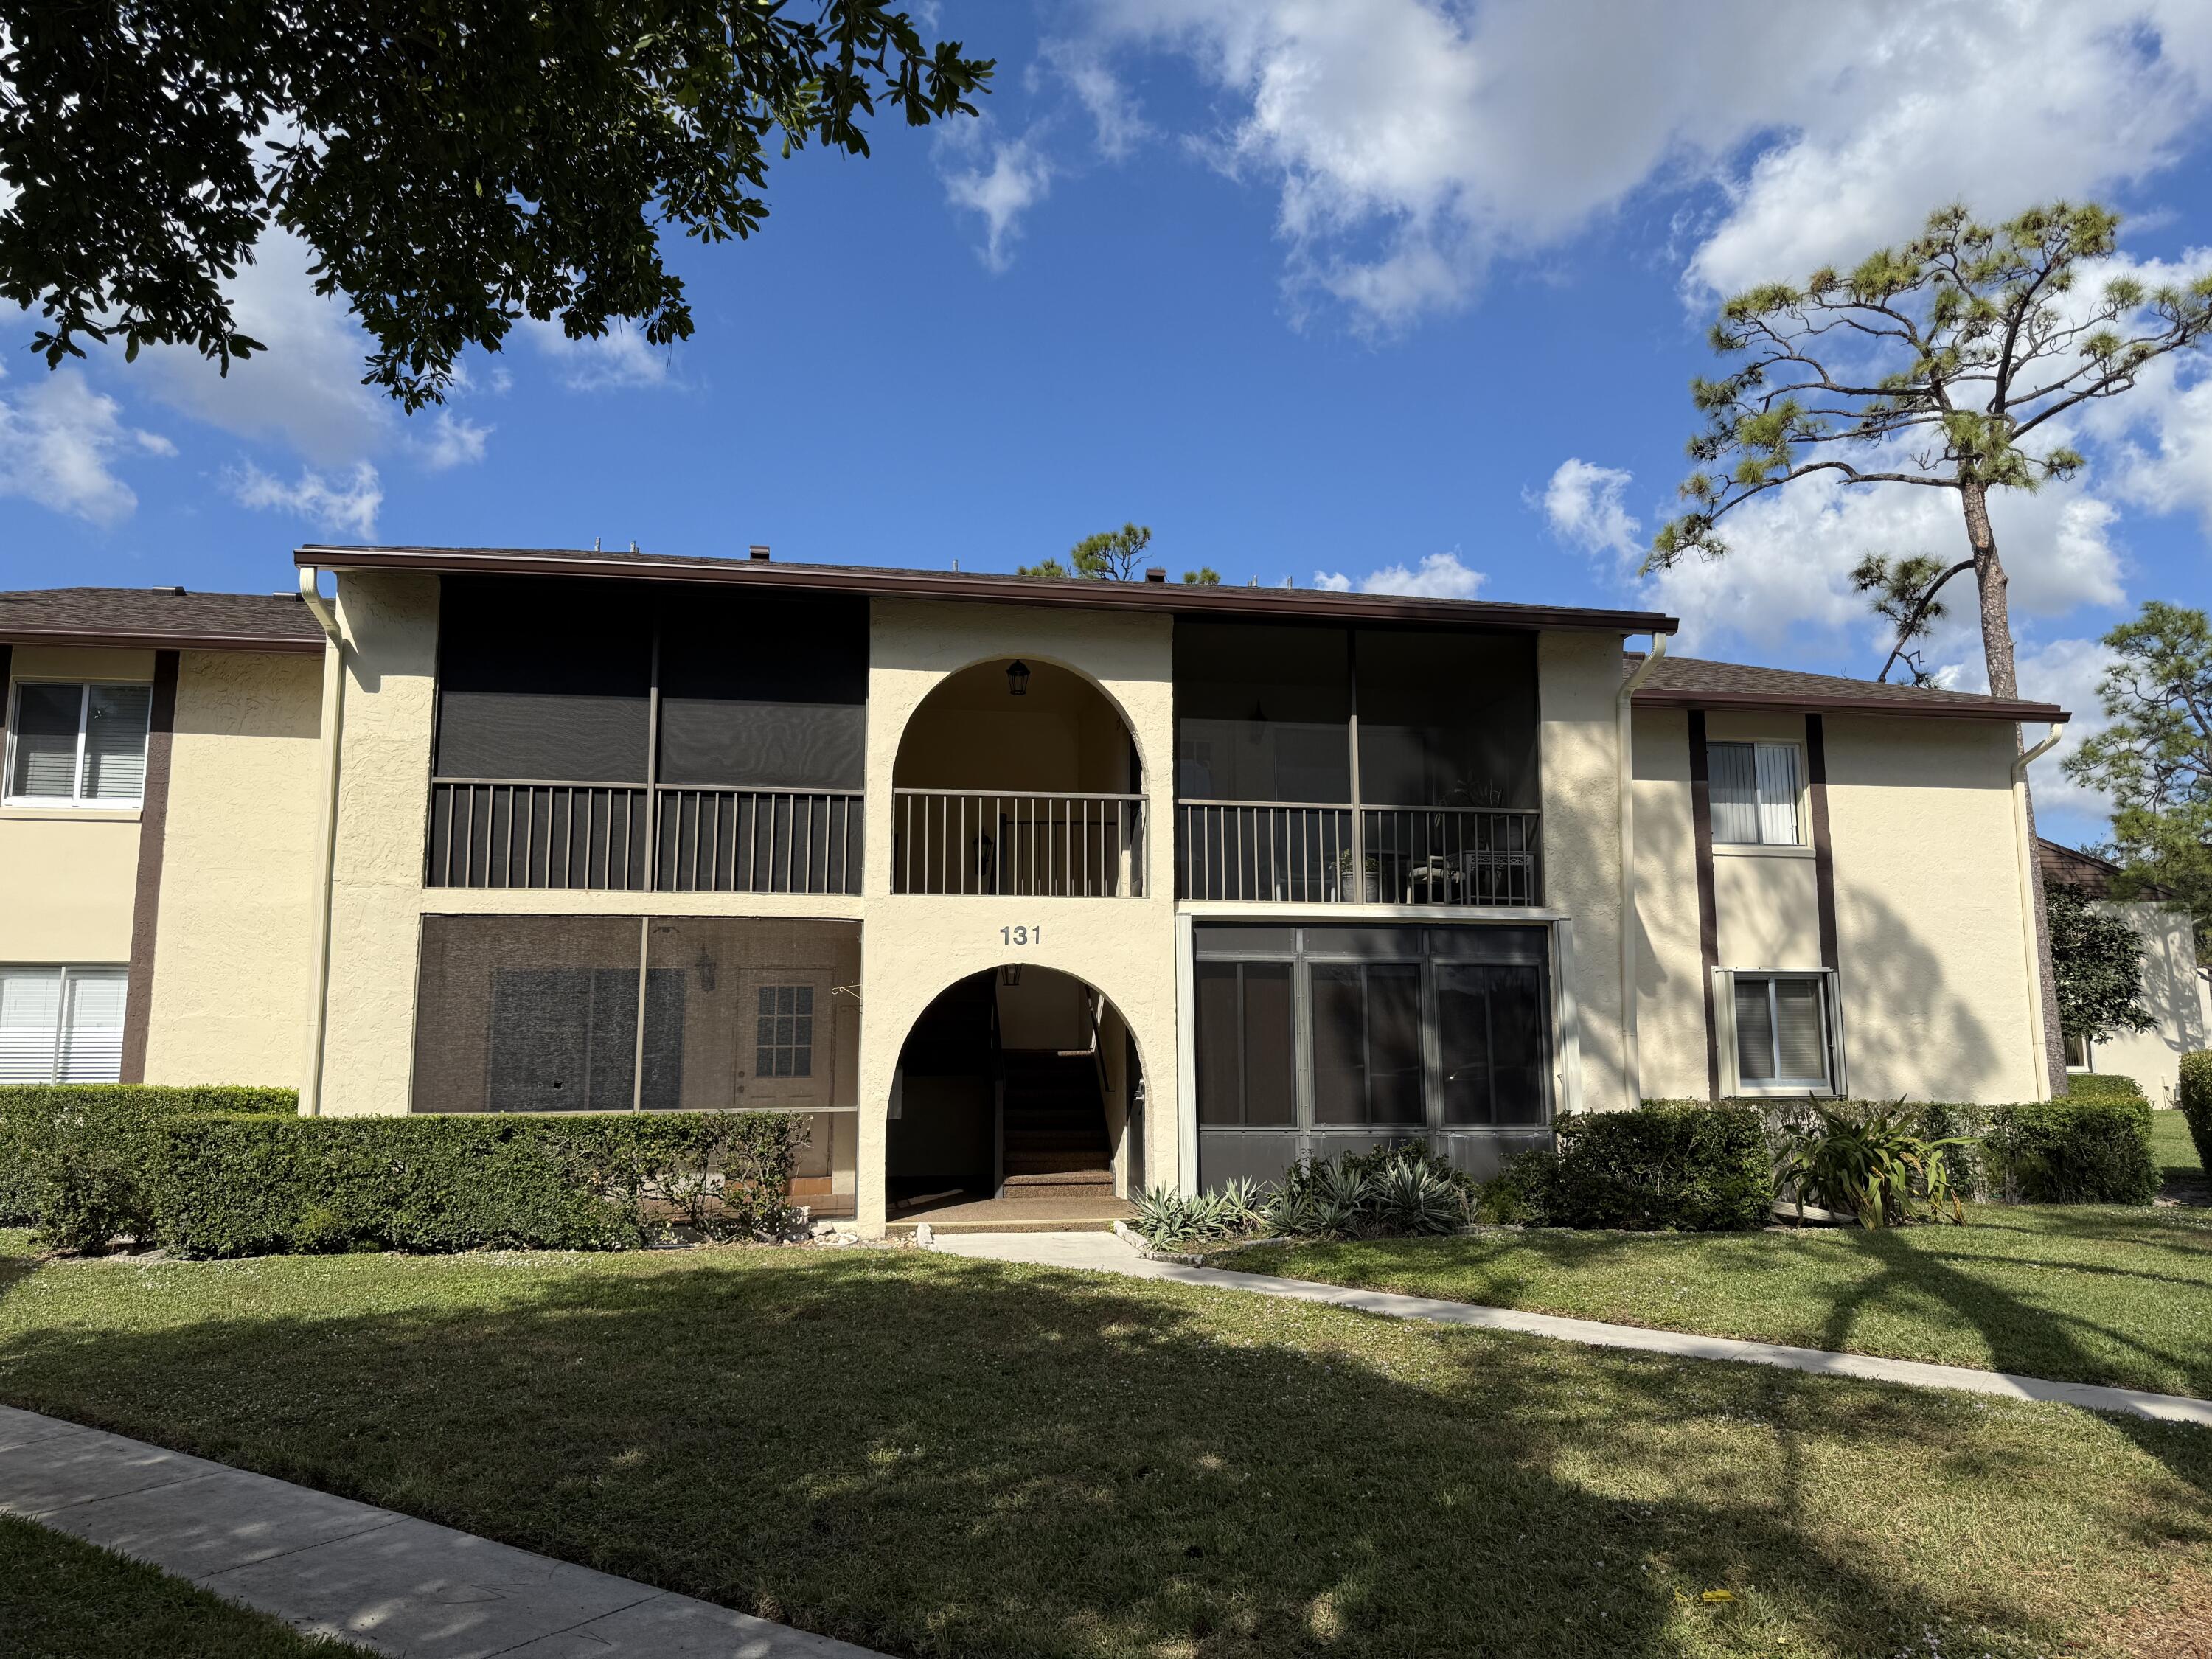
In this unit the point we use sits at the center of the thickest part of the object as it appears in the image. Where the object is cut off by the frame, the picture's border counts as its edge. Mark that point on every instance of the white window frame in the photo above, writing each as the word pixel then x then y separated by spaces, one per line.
pixel 1799 804
pixel 77 800
pixel 1838 1085
pixel 64 972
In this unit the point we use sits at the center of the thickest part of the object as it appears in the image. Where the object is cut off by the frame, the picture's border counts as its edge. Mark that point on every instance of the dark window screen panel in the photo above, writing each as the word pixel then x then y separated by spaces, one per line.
pixel 1490 1030
pixel 1367 1043
pixel 1220 1043
pixel 1270 1050
pixel 763 691
pixel 1754 1031
pixel 1393 1043
pixel 526 1014
pixel 46 739
pixel 1340 1044
pixel 1447 719
pixel 1262 713
pixel 544 680
pixel 749 1014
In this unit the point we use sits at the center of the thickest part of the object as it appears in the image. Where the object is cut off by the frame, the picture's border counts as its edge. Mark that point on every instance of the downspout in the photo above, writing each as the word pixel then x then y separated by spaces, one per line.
pixel 2026 862
pixel 1631 1050
pixel 310 1085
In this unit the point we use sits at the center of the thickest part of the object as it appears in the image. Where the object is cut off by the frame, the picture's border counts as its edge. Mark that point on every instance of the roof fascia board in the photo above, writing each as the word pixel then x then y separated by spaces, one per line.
pixel 1678 697
pixel 1177 598
pixel 143 639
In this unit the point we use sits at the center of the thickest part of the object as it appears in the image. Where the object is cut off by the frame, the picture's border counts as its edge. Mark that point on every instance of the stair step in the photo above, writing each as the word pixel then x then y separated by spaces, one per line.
pixel 1029 1180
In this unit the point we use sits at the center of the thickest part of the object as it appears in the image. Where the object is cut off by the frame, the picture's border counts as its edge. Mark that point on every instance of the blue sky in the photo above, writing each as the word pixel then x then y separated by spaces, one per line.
pixel 1377 292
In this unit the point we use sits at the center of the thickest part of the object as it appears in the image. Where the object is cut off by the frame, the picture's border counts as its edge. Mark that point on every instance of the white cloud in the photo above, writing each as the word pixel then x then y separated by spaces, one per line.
pixel 454 440
pixel 1411 142
pixel 1584 506
pixel 305 390
pixel 1017 178
pixel 1115 119
pixel 1438 576
pixel 59 441
pixel 2066 672
pixel 620 358
pixel 344 505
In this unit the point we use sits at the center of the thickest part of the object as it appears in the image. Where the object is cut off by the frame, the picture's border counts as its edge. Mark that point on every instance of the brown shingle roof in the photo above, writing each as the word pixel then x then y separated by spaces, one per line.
pixel 165 617
pixel 1287 604
pixel 2086 870
pixel 1695 683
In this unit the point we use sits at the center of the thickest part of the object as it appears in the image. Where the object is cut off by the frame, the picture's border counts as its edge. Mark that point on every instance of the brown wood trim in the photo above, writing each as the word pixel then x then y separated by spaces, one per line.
pixel 146 902
pixel 1279 603
pixel 1982 709
pixel 1709 936
pixel 7 696
pixel 1823 854
pixel 139 639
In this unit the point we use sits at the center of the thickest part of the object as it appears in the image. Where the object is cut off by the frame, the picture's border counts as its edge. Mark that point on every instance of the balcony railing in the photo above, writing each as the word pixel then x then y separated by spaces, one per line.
pixel 492 832
pixel 1331 852
pixel 997 843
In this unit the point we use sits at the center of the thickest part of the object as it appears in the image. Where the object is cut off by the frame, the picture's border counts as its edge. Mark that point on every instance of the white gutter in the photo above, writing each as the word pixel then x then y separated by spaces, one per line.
pixel 1631 1050
pixel 311 1083
pixel 2039 1067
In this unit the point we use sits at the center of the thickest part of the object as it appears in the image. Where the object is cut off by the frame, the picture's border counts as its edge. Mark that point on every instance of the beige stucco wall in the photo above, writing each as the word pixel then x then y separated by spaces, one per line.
pixel 1766 908
pixel 1577 688
pixel 1670 995
pixel 916 946
pixel 1929 914
pixel 236 909
pixel 2173 992
pixel 68 877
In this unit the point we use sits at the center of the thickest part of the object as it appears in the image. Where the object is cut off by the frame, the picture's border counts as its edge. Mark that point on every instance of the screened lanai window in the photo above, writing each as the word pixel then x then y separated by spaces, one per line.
pixel 1262 713
pixel 1754 794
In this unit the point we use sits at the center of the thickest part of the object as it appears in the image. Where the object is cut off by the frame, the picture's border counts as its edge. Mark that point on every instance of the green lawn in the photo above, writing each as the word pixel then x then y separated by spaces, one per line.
pixel 61 1599
pixel 2087 1294
pixel 2173 1151
pixel 938 1456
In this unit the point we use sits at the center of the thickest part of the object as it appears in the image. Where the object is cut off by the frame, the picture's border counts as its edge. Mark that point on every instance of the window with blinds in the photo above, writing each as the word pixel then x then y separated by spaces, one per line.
pixel 1754 794
pixel 1781 1034
pixel 74 743
pixel 62 1024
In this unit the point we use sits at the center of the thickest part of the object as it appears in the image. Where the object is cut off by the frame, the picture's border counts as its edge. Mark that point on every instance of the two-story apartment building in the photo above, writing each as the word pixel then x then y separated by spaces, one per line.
pixel 1049 890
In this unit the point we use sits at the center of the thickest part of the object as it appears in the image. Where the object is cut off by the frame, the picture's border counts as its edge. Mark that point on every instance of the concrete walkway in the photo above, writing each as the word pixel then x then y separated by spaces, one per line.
pixel 1105 1252
pixel 332 1567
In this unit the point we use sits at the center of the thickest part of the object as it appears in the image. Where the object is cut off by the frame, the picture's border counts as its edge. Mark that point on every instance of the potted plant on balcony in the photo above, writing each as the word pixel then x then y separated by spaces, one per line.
pixel 1371 868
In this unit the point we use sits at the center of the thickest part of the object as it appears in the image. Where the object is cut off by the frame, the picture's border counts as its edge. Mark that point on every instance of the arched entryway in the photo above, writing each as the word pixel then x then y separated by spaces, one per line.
pixel 1017 776
pixel 1018 1100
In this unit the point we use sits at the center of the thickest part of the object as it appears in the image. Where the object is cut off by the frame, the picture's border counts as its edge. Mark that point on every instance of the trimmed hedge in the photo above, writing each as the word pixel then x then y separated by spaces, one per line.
pixel 1669 1166
pixel 2197 1102
pixel 31 1112
pixel 2102 1086
pixel 246 1184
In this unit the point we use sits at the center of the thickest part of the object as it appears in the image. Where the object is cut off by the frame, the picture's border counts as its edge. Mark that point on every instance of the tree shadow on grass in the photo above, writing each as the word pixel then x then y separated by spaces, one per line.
pixel 935 1457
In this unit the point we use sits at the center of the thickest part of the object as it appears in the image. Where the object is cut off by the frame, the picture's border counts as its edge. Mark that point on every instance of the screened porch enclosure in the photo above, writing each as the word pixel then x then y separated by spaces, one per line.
pixel 1314 1041
pixel 634 737
pixel 1333 765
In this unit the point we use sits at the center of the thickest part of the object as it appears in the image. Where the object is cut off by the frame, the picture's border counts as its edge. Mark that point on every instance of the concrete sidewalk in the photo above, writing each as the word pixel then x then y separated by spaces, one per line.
pixel 332 1567
pixel 1104 1252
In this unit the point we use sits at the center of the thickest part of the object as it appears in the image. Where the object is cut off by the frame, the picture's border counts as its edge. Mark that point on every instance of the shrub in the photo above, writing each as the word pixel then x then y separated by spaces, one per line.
pixel 1400 1191
pixel 35 1118
pixel 2073 1151
pixel 2102 1086
pixel 2197 1102
pixel 1870 1163
pixel 238 1184
pixel 1684 1166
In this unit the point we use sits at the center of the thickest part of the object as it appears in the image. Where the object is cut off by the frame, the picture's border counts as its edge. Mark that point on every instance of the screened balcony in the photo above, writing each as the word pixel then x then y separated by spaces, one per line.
pixel 1018 778
pixel 617 737
pixel 1336 766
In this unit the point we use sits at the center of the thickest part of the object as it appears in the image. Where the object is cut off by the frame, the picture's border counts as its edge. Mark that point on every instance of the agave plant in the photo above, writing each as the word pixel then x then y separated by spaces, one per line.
pixel 1408 1197
pixel 1871 1164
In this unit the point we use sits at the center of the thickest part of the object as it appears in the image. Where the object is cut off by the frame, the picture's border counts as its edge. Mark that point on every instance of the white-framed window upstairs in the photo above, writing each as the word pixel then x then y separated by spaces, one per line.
pixel 1754 794
pixel 74 743
pixel 61 1023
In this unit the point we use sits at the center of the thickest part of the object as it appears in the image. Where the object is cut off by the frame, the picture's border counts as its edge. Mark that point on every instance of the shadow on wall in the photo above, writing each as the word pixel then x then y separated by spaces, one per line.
pixel 1906 1029
pixel 933 1456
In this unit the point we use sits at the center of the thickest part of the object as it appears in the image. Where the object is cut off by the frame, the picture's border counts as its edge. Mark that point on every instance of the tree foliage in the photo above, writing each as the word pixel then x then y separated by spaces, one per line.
pixel 2153 760
pixel 1949 363
pixel 1903 592
pixel 1111 556
pixel 452 164
pixel 2099 959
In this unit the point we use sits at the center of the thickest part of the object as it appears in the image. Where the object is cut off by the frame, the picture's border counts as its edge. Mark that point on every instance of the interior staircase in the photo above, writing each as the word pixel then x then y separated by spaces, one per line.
pixel 1056 1126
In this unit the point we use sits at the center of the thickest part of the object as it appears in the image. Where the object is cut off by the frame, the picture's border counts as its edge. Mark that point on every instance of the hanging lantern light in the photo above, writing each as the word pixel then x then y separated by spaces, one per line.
pixel 1017 679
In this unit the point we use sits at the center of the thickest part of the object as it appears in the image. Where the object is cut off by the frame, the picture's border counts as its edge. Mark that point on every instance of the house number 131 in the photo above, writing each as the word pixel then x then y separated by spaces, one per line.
pixel 1021 935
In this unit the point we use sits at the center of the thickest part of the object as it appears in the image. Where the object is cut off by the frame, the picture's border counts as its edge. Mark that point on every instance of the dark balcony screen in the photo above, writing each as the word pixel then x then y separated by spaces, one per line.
pixel 1490 1027
pixel 752 1013
pixel 1247 1055
pixel 763 691
pixel 1262 713
pixel 1447 719
pixel 542 680
pixel 1367 1043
